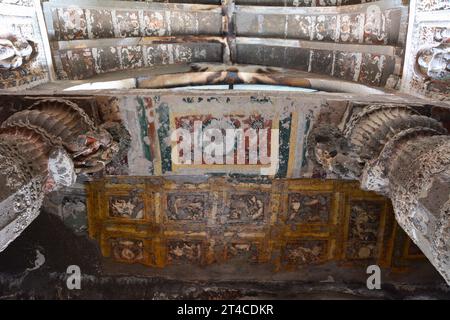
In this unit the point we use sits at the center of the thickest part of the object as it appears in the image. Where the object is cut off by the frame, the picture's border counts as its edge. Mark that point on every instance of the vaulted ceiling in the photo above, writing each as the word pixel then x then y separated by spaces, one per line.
pixel 351 41
pixel 129 70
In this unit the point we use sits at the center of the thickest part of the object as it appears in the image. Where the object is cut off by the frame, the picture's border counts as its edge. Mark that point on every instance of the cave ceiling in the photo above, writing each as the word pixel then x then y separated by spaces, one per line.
pixel 107 83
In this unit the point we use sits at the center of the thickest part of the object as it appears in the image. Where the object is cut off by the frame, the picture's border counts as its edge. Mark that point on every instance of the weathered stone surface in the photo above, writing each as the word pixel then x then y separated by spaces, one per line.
pixel 366 68
pixel 325 28
pixel 300 3
pixel 371 69
pixel 190 230
pixel 351 28
pixel 321 61
pixel 300 27
pixel 185 26
pixel 128 23
pixel 40 146
pixel 154 24
pixel 23 69
pixel 85 63
pixel 25 3
pixel 403 155
pixel 19 210
pixel 371 24
pixel 72 23
pixel 430 33
pixel 106 59
pixel 77 64
pixel 347 65
pixel 49 240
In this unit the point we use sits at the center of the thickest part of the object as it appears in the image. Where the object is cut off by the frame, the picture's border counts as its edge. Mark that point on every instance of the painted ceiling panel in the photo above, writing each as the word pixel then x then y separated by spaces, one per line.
pixel 151 120
pixel 148 207
pixel 286 224
pixel 360 43
pixel 363 24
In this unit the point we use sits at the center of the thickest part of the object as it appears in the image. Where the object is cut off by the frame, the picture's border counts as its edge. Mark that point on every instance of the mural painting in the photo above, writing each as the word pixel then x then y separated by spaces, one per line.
pixel 364 225
pixel 184 252
pixel 246 208
pixel 191 206
pixel 282 224
pixel 128 207
pixel 304 252
pixel 305 208
pixel 127 250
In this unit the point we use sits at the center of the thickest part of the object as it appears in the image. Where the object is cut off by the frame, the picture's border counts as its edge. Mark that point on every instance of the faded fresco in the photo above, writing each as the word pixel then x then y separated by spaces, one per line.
pixel 305 208
pixel 80 64
pixel 79 23
pixel 363 24
pixel 192 34
pixel 184 252
pixel 139 201
pixel 126 207
pixel 364 227
pixel 304 252
pixel 192 206
pixel 125 250
pixel 217 220
pixel 244 208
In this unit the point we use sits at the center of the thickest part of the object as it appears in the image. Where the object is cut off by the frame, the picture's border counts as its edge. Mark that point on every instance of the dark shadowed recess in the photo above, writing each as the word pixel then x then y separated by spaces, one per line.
pixel 56 242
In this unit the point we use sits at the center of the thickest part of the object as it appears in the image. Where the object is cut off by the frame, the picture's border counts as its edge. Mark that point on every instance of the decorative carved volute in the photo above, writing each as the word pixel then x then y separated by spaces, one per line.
pixel 401 154
pixel 42 149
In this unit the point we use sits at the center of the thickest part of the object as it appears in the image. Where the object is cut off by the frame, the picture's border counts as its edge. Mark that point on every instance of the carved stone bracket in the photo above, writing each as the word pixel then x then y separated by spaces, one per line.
pixel 19 210
pixel 43 148
pixel 402 154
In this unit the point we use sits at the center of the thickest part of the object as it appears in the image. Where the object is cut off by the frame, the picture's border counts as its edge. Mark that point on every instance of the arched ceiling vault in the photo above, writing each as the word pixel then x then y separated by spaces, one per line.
pixel 347 40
